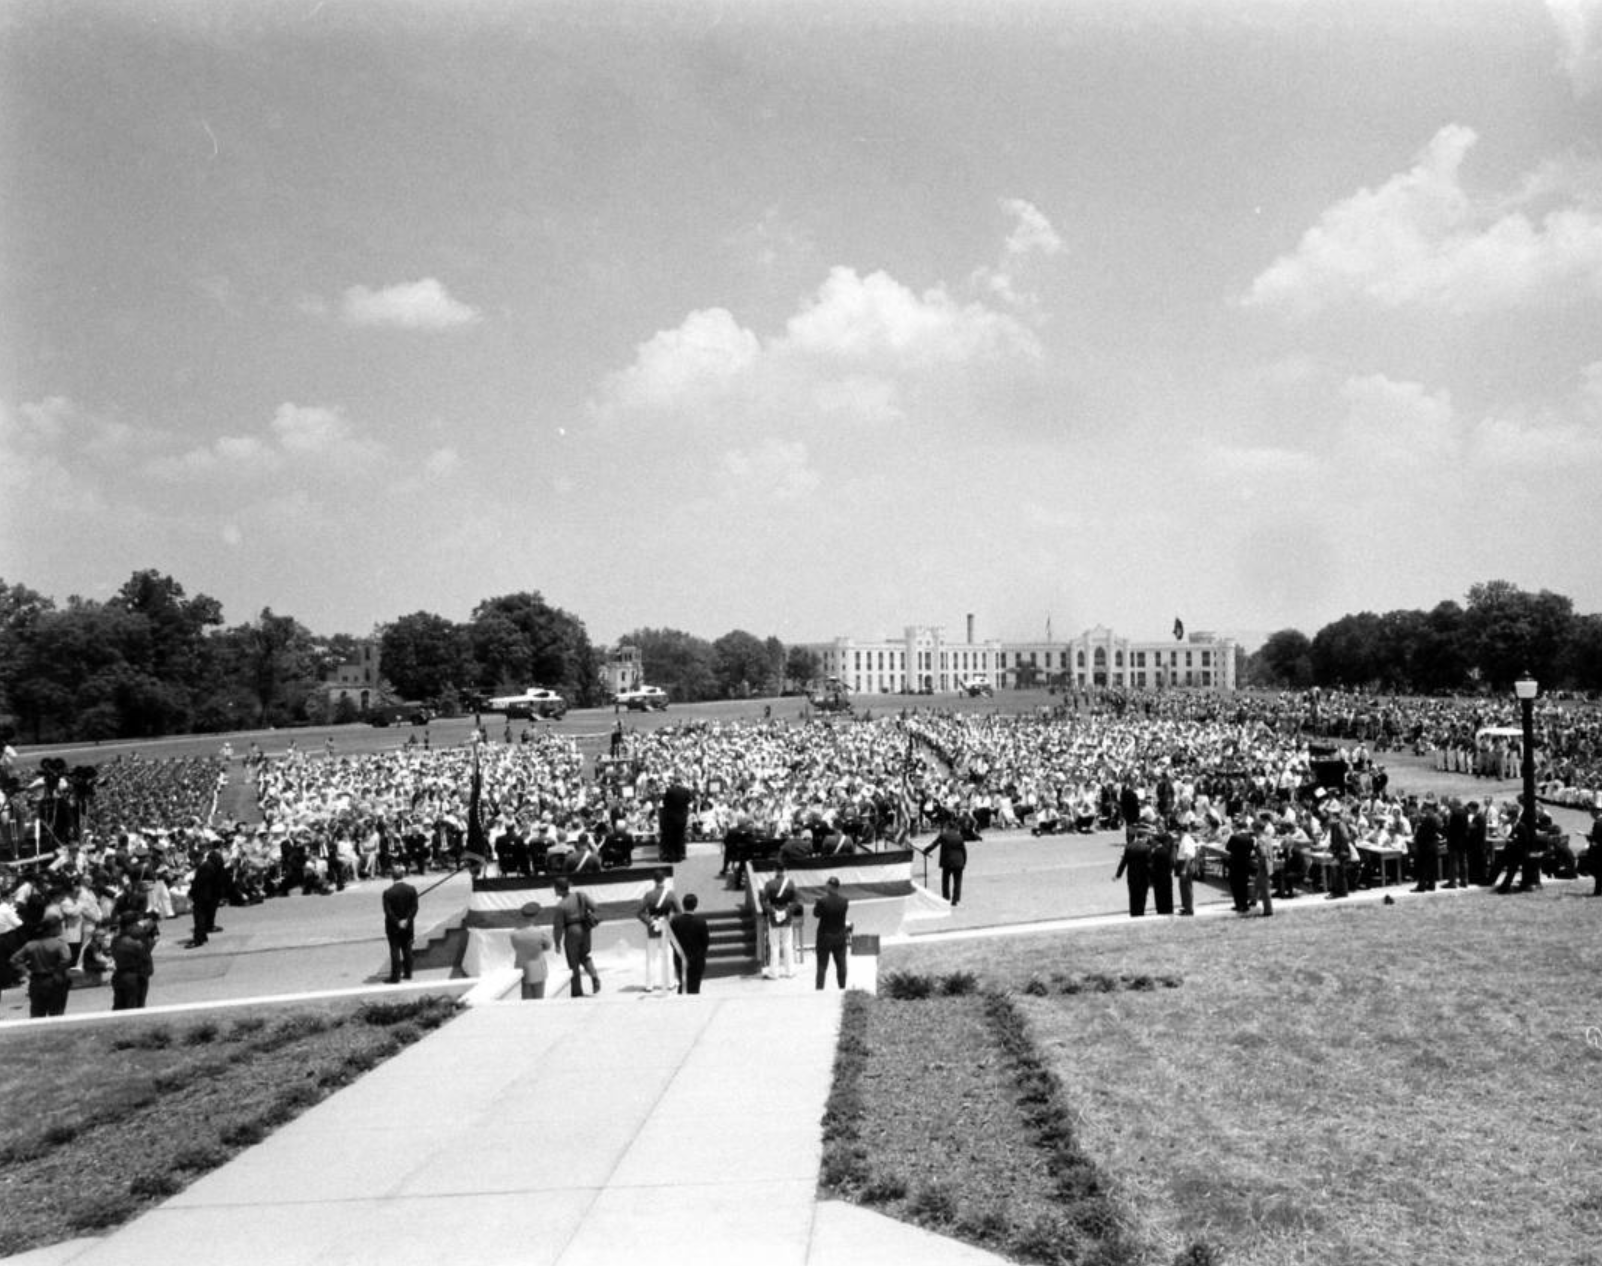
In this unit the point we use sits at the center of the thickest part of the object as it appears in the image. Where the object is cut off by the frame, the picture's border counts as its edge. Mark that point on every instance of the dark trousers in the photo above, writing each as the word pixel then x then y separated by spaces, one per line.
pixel 1139 881
pixel 690 974
pixel 1162 890
pixel 400 953
pixel 1426 864
pixel 1240 887
pixel 577 951
pixel 837 951
pixel 951 883
pixel 128 991
pixel 1508 866
pixel 1457 867
pixel 47 999
pixel 205 912
pixel 1337 877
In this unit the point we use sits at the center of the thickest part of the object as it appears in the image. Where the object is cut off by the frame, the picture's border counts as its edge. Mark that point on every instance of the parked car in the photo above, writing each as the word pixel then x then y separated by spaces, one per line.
pixel 536 701
pixel 387 714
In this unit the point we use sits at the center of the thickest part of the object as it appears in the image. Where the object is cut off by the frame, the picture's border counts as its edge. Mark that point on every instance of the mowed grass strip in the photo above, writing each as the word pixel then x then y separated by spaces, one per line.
pixel 109 1119
pixel 1368 1084
pixel 943 1113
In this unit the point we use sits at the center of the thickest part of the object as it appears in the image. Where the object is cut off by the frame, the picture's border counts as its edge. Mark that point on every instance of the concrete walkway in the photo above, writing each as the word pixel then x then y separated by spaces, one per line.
pixel 635 1127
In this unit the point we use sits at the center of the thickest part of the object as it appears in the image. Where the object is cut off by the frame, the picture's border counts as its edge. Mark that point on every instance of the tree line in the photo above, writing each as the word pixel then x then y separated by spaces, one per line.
pixel 1498 635
pixel 151 660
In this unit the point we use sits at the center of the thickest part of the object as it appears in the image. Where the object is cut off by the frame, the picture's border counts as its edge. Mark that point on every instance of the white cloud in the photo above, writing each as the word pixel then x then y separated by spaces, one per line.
pixel 235 454
pixel 321 432
pixel 416 305
pixel 877 319
pixel 705 354
pixel 1421 239
pixel 1393 426
pixel 1033 232
pixel 852 354
pixel 309 428
pixel 1579 26
pixel 1567 438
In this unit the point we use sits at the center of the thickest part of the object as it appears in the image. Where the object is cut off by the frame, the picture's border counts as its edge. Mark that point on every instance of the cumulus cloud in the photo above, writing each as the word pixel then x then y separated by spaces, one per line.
pixel 706 353
pixel 852 354
pixel 1579 27
pixel 1421 239
pixel 1392 425
pixel 877 319
pixel 231 454
pixel 1032 234
pixel 1567 438
pixel 416 305
pixel 300 433
pixel 311 429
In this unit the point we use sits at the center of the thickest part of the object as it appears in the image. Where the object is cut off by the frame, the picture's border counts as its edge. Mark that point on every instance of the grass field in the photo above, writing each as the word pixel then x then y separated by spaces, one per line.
pixel 119 1117
pixel 1402 1084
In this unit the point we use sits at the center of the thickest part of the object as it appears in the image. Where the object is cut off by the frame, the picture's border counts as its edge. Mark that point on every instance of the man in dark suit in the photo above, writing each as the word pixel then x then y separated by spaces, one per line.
pixel 830 911
pixel 953 860
pixel 400 919
pixel 1241 850
pixel 1426 849
pixel 673 822
pixel 206 893
pixel 1457 845
pixel 692 938
pixel 1136 865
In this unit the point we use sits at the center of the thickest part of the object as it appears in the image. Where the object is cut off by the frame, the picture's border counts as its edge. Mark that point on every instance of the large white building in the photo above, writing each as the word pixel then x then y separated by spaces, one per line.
pixel 924 659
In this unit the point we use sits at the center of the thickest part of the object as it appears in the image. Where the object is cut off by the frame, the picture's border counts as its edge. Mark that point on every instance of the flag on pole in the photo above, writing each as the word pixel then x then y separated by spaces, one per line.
pixel 1179 629
pixel 477 850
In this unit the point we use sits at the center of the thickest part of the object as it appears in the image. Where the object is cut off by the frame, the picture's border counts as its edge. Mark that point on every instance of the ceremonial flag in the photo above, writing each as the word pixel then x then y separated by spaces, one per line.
pixel 1179 629
pixel 477 850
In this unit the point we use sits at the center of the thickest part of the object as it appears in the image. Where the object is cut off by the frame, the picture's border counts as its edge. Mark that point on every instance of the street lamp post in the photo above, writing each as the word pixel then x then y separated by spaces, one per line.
pixel 1526 689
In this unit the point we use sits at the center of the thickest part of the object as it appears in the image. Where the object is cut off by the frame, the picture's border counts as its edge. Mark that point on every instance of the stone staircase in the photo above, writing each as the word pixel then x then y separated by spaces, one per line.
pixel 734 943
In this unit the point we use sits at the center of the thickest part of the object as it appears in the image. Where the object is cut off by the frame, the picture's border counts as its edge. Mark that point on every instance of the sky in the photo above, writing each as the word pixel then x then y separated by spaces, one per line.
pixel 813 320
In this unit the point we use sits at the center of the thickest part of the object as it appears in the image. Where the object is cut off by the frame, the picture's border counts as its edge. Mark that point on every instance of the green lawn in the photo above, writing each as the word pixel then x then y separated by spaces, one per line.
pixel 119 1116
pixel 1396 1084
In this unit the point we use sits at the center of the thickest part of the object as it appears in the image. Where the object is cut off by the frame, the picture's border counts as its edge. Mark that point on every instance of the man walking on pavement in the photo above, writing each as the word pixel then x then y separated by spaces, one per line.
pixel 953 860
pixel 692 939
pixel 570 928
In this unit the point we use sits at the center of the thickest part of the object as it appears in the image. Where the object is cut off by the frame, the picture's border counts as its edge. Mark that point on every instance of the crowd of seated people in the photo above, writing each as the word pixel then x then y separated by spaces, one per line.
pixel 826 786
